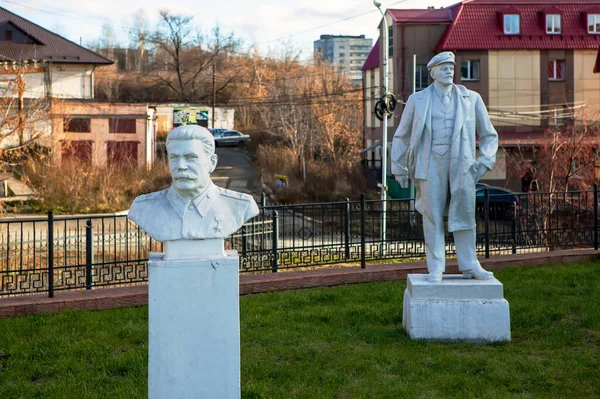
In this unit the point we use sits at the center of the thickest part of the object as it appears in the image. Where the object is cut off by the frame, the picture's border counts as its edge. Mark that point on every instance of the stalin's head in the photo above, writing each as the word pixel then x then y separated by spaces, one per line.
pixel 192 158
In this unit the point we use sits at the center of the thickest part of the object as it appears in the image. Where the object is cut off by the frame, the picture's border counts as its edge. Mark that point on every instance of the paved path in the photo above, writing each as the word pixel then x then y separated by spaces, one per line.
pixel 235 171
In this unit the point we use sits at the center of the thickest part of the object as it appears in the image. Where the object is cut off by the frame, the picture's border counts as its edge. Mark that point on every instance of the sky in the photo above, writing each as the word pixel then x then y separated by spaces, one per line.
pixel 269 25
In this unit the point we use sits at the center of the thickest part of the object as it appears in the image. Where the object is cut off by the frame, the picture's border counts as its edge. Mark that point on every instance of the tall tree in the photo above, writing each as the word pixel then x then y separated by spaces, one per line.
pixel 184 58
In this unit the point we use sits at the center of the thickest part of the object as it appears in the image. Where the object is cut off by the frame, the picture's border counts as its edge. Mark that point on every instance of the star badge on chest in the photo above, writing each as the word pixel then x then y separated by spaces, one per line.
pixel 218 227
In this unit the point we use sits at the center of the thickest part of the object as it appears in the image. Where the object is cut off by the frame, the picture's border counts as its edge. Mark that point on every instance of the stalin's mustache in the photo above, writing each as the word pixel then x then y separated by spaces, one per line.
pixel 184 176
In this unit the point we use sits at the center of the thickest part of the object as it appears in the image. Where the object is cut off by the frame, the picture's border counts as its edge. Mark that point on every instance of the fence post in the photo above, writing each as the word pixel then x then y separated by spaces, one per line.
pixel 50 254
pixel 263 199
pixel 363 246
pixel 275 236
pixel 347 229
pixel 244 241
pixel 596 216
pixel 89 253
pixel 513 228
pixel 486 218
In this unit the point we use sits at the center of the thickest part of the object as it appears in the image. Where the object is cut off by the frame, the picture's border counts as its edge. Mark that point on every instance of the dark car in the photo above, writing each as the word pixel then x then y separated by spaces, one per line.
pixel 502 202
pixel 230 137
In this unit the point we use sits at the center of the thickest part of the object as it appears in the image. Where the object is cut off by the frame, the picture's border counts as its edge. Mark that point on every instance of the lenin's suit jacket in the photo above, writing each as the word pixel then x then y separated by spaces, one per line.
pixel 167 216
pixel 411 149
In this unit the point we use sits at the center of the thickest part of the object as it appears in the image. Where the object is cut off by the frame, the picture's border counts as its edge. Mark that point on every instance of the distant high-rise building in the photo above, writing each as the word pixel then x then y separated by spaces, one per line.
pixel 346 52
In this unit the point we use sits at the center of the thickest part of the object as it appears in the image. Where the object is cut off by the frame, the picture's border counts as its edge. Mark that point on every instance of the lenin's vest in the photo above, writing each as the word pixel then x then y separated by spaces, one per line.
pixel 442 123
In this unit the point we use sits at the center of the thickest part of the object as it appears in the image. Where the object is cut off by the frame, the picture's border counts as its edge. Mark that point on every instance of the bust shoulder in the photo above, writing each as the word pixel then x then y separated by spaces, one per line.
pixel 151 196
pixel 234 195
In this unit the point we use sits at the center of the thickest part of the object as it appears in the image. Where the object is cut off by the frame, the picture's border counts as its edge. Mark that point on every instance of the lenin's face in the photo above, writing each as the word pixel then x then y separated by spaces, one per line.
pixel 443 74
pixel 190 166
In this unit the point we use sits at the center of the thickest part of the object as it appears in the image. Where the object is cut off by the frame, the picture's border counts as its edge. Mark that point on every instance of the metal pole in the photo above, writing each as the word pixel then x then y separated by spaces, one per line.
pixel 595 216
pixel 363 263
pixel 347 229
pixel 486 218
pixel 385 45
pixel 513 228
pixel 214 96
pixel 50 254
pixel 275 266
pixel 89 254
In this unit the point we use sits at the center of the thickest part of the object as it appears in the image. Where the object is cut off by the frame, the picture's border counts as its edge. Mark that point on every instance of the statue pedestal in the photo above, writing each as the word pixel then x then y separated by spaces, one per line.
pixel 194 327
pixel 455 309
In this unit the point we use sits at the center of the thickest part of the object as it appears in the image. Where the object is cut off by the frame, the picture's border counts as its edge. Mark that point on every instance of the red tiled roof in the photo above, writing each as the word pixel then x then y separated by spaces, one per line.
pixel 372 60
pixel 476 26
pixel 439 15
pixel 47 45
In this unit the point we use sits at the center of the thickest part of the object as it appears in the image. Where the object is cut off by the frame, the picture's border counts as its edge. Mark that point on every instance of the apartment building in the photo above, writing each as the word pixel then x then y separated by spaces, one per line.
pixel 534 63
pixel 346 52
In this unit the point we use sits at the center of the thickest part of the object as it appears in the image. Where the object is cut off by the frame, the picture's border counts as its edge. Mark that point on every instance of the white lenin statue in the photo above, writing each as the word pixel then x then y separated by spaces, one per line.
pixel 435 145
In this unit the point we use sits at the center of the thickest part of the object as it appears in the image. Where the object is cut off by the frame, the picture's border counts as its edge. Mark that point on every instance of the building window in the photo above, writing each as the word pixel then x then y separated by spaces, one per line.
pixel 8 35
pixel 553 24
pixel 594 23
pixel 77 151
pixel 556 70
pixel 422 78
pixel 342 47
pixel 512 24
pixel 77 125
pixel 121 153
pixel 390 41
pixel 469 70
pixel 121 125
pixel 342 54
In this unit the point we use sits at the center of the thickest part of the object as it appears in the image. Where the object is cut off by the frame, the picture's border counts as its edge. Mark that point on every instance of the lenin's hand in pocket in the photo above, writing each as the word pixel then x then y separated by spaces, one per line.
pixel 480 171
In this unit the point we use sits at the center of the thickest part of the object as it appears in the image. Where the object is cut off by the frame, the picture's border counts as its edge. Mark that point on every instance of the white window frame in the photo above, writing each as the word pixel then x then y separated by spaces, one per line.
pixel 509 20
pixel 470 70
pixel 421 69
pixel 593 21
pixel 553 24
pixel 554 77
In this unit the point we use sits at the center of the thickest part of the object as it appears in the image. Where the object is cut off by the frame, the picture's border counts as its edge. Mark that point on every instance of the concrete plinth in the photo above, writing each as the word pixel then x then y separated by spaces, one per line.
pixel 455 309
pixel 194 329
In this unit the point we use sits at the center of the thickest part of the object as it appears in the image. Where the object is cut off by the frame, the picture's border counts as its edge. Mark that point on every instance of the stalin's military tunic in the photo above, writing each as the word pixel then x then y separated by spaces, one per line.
pixel 216 213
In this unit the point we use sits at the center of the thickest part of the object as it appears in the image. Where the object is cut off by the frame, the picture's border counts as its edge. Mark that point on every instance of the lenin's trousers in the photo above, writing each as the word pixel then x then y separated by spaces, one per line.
pixel 435 194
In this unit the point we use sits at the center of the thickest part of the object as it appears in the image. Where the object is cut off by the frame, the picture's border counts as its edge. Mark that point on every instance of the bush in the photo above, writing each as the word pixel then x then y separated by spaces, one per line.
pixel 325 181
pixel 75 187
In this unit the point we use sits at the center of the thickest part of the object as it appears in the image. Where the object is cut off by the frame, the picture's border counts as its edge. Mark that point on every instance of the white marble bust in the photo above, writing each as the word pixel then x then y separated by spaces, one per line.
pixel 193 208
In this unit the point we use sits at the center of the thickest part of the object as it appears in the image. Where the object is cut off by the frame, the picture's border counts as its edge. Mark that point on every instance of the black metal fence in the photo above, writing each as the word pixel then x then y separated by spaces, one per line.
pixel 49 254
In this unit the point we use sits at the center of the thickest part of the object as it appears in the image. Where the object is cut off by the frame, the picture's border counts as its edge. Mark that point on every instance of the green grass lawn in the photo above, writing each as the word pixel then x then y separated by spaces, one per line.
pixel 343 342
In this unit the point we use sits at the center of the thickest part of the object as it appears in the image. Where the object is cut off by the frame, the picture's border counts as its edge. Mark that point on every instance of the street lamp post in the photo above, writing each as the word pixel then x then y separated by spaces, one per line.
pixel 384 43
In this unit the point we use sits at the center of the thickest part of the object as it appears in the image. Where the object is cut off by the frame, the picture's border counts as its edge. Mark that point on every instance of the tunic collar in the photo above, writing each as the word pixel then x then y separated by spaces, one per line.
pixel 200 204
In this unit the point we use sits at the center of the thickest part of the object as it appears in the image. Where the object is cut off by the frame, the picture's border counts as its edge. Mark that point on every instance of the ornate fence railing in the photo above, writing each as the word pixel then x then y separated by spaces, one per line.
pixel 48 254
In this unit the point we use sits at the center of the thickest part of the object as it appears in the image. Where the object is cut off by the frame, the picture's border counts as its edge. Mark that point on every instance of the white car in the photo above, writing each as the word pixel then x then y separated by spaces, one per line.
pixel 230 137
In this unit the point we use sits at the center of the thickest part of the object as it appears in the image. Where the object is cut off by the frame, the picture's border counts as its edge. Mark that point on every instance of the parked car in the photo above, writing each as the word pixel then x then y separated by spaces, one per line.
pixel 215 130
pixel 502 202
pixel 230 137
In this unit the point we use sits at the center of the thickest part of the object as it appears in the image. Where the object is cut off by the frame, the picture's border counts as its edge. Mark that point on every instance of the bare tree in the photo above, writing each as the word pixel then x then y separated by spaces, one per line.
pixel 184 58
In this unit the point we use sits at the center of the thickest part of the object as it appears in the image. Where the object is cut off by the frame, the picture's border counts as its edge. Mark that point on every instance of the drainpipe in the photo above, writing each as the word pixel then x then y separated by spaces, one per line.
pixel 149 136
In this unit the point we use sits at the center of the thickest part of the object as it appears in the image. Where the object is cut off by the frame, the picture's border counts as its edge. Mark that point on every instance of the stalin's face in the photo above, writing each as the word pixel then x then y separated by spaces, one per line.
pixel 190 166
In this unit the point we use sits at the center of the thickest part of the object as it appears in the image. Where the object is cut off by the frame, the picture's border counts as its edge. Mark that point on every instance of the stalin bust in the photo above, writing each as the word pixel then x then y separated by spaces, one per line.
pixel 193 208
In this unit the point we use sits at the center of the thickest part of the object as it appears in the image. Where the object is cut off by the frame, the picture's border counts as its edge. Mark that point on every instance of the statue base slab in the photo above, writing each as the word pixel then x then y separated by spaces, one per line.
pixel 194 327
pixel 455 309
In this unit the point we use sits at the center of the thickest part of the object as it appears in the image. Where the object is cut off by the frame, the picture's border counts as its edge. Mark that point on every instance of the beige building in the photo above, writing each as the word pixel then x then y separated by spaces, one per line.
pixel 533 62
pixel 104 134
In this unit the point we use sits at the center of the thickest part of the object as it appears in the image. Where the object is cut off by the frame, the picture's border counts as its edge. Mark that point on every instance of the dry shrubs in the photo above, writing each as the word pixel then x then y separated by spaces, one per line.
pixel 325 181
pixel 74 187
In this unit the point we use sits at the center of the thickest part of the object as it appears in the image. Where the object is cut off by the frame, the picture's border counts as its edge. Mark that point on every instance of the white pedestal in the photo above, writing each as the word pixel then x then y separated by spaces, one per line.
pixel 194 328
pixel 455 309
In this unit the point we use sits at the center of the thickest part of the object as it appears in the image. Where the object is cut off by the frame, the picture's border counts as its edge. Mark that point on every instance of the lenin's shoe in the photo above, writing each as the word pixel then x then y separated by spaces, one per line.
pixel 434 277
pixel 478 273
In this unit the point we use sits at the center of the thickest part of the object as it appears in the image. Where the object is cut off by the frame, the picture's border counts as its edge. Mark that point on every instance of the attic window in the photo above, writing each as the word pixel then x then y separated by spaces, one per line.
pixel 553 24
pixel 593 23
pixel 8 35
pixel 512 24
